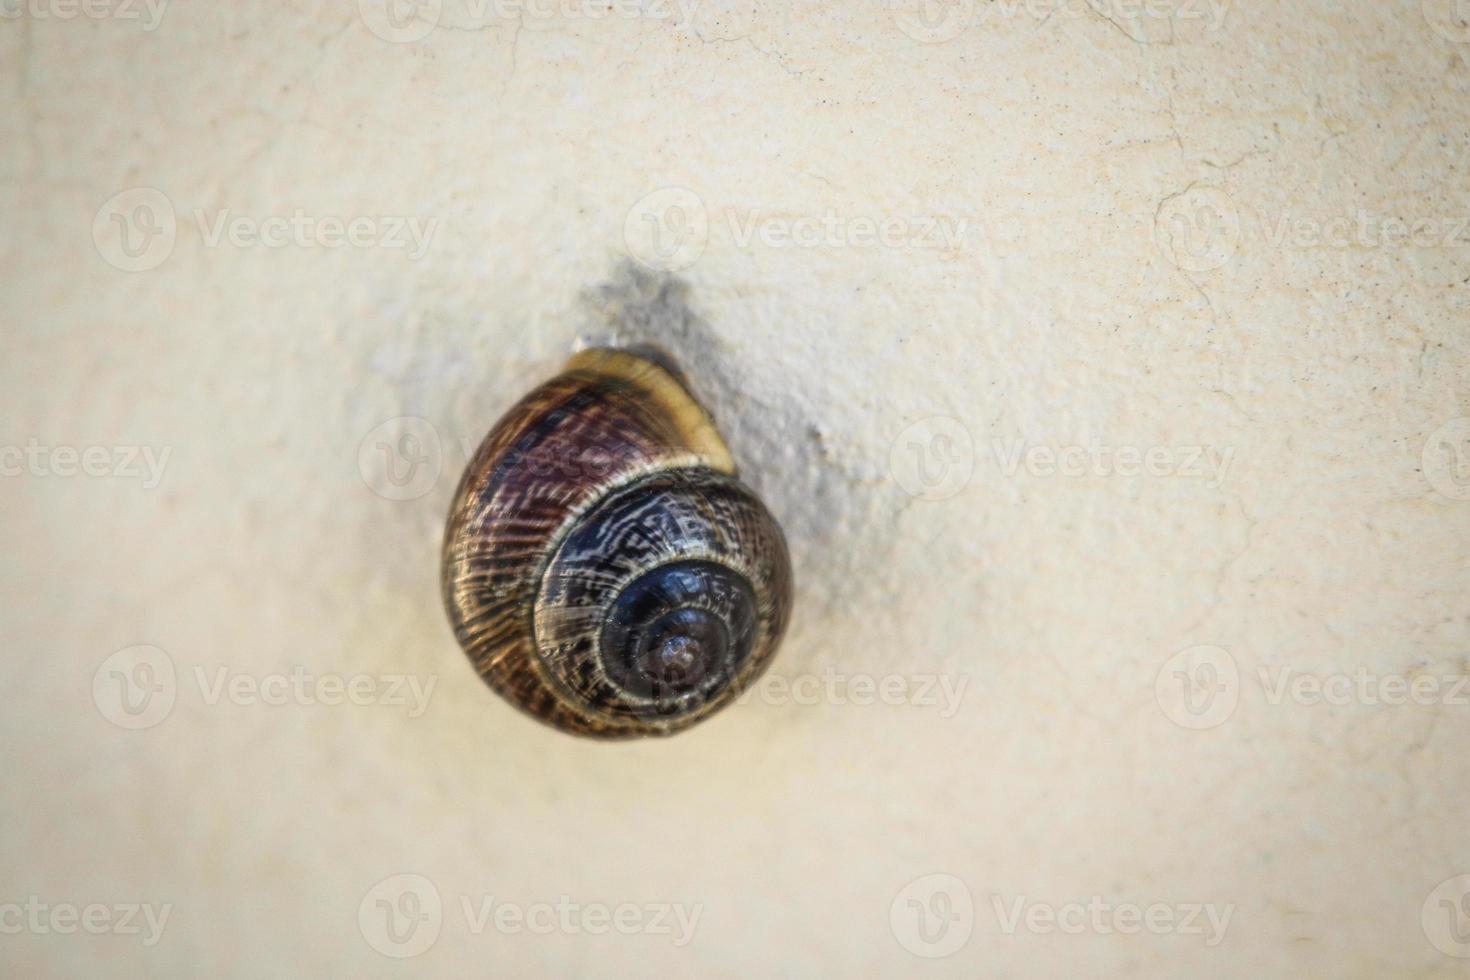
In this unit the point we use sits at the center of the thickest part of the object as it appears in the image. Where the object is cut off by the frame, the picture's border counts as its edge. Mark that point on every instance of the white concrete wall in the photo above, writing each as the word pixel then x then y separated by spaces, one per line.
pixel 1235 237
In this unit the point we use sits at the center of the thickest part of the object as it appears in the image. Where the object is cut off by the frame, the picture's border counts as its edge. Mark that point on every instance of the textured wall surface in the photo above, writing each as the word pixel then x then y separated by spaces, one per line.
pixel 1105 361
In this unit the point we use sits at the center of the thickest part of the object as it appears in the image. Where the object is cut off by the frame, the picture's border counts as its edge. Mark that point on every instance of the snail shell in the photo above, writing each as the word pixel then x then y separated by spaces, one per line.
pixel 603 567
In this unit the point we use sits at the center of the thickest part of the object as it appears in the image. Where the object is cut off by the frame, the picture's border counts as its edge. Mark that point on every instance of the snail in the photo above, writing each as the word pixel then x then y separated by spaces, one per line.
pixel 604 568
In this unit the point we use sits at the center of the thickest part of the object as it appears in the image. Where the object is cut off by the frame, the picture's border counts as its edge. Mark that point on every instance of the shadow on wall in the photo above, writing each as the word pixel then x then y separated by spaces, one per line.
pixel 839 523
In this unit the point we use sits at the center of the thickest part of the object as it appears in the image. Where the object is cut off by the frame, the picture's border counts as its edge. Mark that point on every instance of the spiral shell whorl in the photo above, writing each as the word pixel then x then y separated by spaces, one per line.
pixel 606 494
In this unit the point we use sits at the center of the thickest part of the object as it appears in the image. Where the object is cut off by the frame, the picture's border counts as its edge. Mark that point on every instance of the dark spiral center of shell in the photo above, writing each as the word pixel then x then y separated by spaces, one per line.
pixel 681 628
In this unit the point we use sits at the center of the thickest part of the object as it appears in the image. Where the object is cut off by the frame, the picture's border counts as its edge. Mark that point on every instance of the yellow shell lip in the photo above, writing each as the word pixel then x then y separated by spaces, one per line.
pixel 654 372
pixel 656 354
